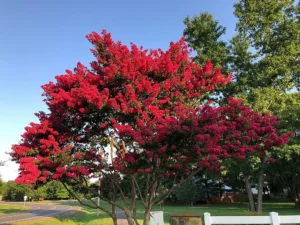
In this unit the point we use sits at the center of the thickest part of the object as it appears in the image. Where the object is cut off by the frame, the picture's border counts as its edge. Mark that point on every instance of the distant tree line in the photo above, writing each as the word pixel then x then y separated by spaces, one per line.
pixel 53 190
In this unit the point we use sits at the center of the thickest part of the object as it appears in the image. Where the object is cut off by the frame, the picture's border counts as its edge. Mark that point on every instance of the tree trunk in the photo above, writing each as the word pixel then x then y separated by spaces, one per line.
pixel 129 217
pixel 134 217
pixel 241 197
pixel 207 192
pixel 115 221
pixel 146 216
pixel 249 194
pixel 296 204
pixel 114 216
pixel 297 200
pixel 295 192
pixel 260 191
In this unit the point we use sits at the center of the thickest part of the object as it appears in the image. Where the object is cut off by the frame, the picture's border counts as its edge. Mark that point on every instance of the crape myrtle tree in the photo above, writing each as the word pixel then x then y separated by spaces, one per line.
pixel 150 108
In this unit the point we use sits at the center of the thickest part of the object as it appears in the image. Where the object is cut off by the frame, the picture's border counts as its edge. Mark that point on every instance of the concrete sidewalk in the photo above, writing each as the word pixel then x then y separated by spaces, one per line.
pixel 121 217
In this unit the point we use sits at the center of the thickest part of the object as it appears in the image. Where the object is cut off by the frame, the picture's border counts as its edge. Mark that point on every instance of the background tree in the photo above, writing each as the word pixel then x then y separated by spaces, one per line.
pixel 263 55
pixel 287 107
pixel 203 34
pixel 188 192
pixel 286 176
pixel 2 184
pixel 56 191
pixel 41 192
pixel 16 192
pixel 264 51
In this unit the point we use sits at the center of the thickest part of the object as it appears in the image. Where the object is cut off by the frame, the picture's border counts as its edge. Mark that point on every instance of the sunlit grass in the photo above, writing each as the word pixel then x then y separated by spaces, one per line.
pixel 88 216
pixel 6 208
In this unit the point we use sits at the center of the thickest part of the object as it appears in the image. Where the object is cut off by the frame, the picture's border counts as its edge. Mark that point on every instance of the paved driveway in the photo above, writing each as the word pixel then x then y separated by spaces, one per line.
pixel 35 211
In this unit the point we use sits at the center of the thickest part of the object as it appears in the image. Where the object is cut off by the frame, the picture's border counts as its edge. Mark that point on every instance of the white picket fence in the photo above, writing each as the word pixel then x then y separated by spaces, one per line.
pixel 273 219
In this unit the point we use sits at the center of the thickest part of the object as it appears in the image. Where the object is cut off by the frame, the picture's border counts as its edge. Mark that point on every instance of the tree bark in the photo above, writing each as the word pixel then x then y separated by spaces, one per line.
pixel 113 215
pixel 115 220
pixel 241 197
pixel 207 192
pixel 249 194
pixel 129 217
pixel 295 193
pixel 146 216
pixel 260 191
pixel 220 189
pixel 297 200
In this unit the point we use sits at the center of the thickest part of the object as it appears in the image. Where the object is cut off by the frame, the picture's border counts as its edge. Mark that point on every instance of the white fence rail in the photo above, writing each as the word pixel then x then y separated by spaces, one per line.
pixel 273 219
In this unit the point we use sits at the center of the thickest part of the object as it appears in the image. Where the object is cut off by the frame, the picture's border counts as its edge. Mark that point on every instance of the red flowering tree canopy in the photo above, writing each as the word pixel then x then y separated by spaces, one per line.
pixel 148 107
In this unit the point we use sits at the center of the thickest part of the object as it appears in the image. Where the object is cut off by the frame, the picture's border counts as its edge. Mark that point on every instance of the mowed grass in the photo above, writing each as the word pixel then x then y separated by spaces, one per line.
pixel 6 208
pixel 88 216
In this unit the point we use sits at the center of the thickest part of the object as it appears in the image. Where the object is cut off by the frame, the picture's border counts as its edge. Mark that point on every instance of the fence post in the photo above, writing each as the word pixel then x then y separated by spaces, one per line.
pixel 207 219
pixel 274 218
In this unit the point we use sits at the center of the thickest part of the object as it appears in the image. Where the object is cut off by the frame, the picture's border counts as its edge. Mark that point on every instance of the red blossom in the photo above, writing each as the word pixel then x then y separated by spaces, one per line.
pixel 271 160
pixel 78 155
pixel 77 138
pixel 61 170
pixel 148 170
pixel 204 164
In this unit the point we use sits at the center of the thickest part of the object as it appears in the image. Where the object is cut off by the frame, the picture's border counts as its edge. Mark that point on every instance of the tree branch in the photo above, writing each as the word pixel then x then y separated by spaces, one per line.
pixel 88 205
pixel 104 199
pixel 120 189
pixel 139 190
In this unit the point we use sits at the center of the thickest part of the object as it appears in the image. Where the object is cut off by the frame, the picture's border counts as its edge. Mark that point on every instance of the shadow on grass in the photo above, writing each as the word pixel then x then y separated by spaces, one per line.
pixel 84 216
pixel 8 208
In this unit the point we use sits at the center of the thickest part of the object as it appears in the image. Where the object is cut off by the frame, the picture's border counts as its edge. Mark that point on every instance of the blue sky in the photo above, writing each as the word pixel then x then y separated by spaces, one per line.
pixel 41 39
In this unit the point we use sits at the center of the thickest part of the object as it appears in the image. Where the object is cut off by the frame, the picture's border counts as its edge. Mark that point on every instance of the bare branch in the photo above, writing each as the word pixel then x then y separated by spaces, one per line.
pixel 139 190
pixel 147 186
pixel 88 205
pixel 151 195
pixel 165 195
pixel 97 194
pixel 120 189
pixel 133 200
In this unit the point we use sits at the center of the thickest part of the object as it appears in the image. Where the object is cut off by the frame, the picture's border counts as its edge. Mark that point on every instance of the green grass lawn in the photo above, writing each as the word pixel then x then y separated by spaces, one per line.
pixel 88 216
pixel 5 208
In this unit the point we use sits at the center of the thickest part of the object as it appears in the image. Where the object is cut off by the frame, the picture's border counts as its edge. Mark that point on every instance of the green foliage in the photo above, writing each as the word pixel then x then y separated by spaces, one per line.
pixel 272 29
pixel 125 185
pixel 188 192
pixel 285 172
pixel 203 34
pixel 7 208
pixel 41 192
pixel 1 185
pixel 264 52
pixel 16 192
pixel 55 190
